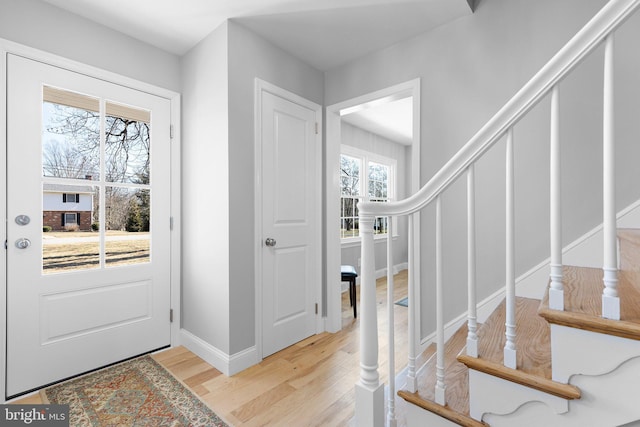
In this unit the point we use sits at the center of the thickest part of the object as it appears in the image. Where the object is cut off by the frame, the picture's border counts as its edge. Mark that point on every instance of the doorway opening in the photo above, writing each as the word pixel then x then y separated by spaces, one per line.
pixel 373 152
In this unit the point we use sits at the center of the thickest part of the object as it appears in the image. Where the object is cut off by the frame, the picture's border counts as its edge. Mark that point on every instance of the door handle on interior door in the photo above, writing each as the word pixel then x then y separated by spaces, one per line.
pixel 270 242
pixel 23 243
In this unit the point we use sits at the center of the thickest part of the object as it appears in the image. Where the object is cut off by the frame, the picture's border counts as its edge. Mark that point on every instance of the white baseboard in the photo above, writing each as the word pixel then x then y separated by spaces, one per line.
pixel 227 364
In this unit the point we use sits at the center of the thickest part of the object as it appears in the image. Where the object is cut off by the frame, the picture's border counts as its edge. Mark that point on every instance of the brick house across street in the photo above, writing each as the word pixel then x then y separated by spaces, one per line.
pixel 66 205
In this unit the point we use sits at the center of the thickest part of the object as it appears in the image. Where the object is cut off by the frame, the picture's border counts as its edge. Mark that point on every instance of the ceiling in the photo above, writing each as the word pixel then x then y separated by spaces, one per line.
pixel 323 33
pixel 392 120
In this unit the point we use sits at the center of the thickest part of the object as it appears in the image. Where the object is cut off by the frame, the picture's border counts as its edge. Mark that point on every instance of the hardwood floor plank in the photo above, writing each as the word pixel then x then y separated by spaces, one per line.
pixel 263 402
pixel 205 375
pixel 339 413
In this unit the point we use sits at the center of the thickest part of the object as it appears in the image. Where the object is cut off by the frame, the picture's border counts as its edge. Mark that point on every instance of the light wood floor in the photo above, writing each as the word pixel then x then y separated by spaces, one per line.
pixel 308 384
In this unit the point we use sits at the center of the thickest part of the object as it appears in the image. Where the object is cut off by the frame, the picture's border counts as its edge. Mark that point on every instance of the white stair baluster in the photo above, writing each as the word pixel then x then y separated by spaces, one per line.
pixel 510 345
pixel 472 324
pixel 610 299
pixel 556 291
pixel 391 404
pixel 440 385
pixel 412 383
pixel 369 390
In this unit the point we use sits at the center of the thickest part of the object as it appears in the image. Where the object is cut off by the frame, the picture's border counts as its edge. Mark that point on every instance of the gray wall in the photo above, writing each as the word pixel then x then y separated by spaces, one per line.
pixel 218 177
pixel 468 70
pixel 205 190
pixel 364 140
pixel 40 25
pixel 249 57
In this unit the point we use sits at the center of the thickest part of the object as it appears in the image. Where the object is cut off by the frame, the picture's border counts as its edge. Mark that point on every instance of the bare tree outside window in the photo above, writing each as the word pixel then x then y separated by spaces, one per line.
pixel 350 193
pixel 361 177
pixel 379 191
pixel 71 149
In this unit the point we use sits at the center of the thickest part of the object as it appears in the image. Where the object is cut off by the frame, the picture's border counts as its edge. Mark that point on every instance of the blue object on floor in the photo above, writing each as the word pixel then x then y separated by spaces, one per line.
pixel 403 302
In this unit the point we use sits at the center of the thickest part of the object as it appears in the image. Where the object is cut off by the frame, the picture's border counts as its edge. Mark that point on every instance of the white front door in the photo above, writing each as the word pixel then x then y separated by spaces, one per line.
pixel 88 258
pixel 291 243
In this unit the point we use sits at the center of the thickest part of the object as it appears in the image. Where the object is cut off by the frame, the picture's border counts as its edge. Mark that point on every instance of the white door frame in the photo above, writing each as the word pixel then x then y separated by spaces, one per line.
pixel 260 87
pixel 332 184
pixel 7 47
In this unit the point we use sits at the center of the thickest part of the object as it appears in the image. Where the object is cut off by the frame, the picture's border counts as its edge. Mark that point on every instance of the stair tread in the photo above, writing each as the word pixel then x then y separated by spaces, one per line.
pixel 583 304
pixel 630 234
pixel 533 355
pixel 629 249
pixel 533 338
pixel 456 380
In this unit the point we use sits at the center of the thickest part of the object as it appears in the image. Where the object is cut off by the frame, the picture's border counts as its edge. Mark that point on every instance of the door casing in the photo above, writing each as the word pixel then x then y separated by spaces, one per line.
pixel 7 47
pixel 260 87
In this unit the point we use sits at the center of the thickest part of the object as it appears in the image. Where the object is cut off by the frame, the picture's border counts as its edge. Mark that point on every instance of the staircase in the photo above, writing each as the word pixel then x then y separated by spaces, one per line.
pixel 569 359
pixel 562 355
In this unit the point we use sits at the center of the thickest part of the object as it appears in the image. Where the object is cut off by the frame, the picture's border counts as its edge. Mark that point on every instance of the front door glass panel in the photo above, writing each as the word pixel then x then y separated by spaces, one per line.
pixel 127 226
pixel 70 237
pixel 96 197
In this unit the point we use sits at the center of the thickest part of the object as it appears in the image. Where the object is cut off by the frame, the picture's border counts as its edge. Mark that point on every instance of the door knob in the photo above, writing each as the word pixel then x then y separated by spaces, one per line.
pixel 270 242
pixel 23 243
pixel 23 220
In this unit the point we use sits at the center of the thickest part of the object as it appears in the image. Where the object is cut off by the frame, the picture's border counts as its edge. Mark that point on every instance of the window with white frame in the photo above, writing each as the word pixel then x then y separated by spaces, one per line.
pixel 363 175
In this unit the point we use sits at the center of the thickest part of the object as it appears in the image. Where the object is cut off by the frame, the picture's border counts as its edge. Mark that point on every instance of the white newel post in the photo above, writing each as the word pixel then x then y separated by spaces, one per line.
pixel 556 287
pixel 472 323
pixel 510 323
pixel 369 391
pixel 610 299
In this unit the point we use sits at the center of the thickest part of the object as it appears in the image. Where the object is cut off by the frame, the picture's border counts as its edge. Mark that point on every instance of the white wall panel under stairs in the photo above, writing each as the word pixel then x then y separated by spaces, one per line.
pixel 607 401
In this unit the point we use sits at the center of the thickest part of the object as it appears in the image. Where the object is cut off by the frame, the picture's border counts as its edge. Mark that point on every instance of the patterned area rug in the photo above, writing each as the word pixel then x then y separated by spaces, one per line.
pixel 136 393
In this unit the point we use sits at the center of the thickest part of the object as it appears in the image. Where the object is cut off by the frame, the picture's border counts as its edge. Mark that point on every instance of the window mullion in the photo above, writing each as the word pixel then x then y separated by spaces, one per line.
pixel 102 216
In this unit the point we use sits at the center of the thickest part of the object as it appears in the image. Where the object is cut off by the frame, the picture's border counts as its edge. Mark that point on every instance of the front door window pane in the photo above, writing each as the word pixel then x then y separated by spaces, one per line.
pixel 127 226
pixel 82 166
pixel 70 232
pixel 70 135
pixel 127 144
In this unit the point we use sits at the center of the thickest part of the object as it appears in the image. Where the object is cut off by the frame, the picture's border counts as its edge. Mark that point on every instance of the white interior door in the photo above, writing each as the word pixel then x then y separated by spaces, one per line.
pixel 291 187
pixel 88 237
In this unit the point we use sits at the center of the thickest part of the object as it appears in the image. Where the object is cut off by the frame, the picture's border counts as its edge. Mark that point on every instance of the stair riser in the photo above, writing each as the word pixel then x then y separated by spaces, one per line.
pixel 484 388
pixel 418 417
pixel 575 351
pixel 608 400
